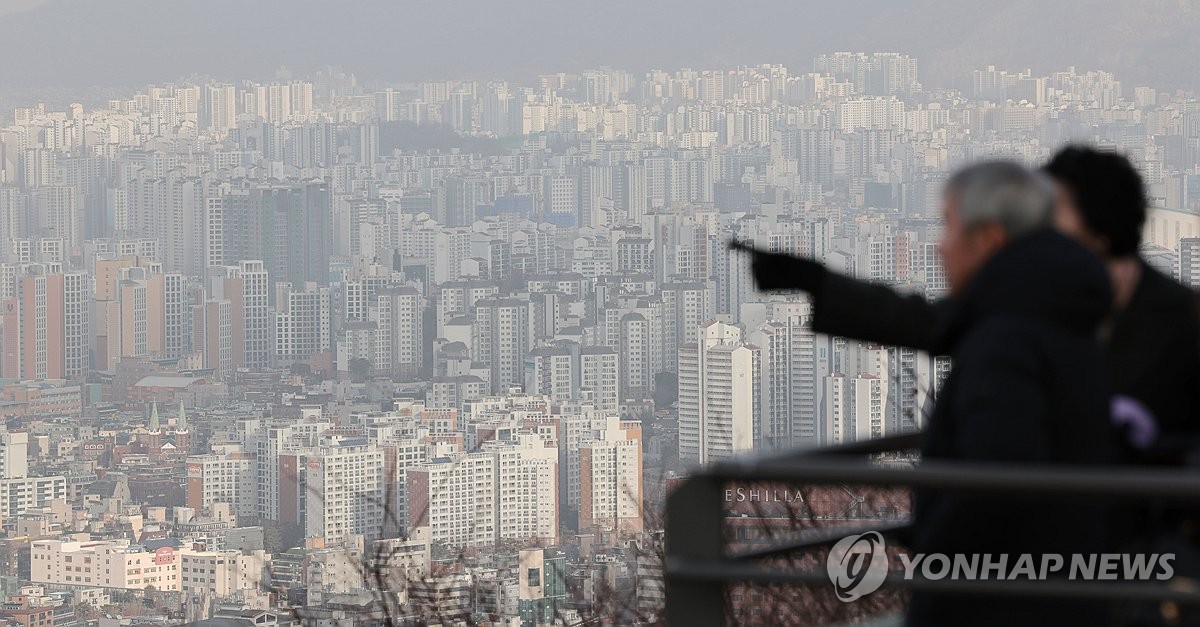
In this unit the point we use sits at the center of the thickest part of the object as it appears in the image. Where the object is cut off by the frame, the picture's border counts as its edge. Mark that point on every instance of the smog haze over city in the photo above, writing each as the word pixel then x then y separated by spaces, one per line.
pixel 392 313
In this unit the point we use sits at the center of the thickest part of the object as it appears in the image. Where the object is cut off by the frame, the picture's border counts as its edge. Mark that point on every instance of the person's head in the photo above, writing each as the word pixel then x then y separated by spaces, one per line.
pixel 1101 200
pixel 987 205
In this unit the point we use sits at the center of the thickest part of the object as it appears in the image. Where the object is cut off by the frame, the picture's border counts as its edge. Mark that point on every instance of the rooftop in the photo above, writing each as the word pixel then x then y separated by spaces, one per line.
pixel 167 381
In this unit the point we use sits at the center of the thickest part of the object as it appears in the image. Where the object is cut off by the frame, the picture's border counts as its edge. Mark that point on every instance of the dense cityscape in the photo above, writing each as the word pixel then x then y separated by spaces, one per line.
pixel 313 348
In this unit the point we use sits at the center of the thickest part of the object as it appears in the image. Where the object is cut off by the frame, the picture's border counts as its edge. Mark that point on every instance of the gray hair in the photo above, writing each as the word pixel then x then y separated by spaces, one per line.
pixel 1020 199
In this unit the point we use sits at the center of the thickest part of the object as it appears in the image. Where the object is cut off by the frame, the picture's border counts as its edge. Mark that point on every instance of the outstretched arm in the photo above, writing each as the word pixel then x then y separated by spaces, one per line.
pixel 852 308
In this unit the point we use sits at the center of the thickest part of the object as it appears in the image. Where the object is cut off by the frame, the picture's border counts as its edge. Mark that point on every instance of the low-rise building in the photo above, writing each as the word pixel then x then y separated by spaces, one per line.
pixel 221 574
pixel 20 495
pixel 41 398
pixel 105 563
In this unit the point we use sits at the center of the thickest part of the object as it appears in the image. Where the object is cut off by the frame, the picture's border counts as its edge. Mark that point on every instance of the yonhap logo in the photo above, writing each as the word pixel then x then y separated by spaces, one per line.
pixel 857 565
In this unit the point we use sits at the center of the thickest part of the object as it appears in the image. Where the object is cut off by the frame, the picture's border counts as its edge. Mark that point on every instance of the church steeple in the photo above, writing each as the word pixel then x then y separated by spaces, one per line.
pixel 154 426
pixel 181 421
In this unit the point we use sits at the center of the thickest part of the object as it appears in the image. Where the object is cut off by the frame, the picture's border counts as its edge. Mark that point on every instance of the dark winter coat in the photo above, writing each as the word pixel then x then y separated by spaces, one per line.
pixel 1027 389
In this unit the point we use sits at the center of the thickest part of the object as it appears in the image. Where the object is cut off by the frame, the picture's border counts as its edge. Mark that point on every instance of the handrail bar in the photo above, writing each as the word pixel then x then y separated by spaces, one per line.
pixel 1130 482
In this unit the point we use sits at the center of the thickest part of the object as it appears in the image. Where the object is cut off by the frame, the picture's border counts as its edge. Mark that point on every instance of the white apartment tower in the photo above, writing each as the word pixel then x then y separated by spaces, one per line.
pixel 686 306
pixel 345 491
pixel 610 476
pixel 600 372
pixel 246 287
pixel 565 370
pixel 501 338
pixel 718 395
pixel 635 333
pixel 77 298
pixel 219 107
pixel 14 454
pixel 408 331
pixel 788 387
pixel 455 496
pixel 526 488
pixel 302 322
pixel 854 408
pixel 56 210
pixel 228 477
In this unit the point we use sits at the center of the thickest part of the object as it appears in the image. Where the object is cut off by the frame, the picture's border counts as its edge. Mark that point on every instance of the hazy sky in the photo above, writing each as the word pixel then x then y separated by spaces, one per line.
pixel 16 6
pixel 131 42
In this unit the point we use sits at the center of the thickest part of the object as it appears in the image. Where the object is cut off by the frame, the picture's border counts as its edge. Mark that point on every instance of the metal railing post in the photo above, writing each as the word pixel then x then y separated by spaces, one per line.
pixel 695 530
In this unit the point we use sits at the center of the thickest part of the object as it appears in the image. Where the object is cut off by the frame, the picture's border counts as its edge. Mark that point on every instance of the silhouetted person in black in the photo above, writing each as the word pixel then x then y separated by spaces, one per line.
pixel 1154 337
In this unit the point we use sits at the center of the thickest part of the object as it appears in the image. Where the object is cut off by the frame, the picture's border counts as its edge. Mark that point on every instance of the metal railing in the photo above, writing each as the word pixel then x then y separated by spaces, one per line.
pixel 698 565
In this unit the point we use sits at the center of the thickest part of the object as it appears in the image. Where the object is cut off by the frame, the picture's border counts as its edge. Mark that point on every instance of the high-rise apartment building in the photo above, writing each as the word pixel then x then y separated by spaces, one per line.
pixel 610 476
pixel 455 496
pixel 506 490
pixel 399 315
pixel 854 408
pixel 501 337
pixel 218 111
pixel 171 208
pixel 167 315
pixel 566 370
pixel 122 308
pixel 344 492
pixel 14 218
pixel 212 335
pixel 719 399
pixel 787 388
pixel 527 491
pixel 46 326
pixel 246 287
pixel 57 213
pixel 635 332
pixel 286 225
pixel 686 307
pixel 226 477
pixel 302 324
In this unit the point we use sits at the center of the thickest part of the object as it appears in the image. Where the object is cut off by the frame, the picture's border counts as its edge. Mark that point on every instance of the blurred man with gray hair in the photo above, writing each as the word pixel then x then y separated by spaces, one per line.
pixel 1027 387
